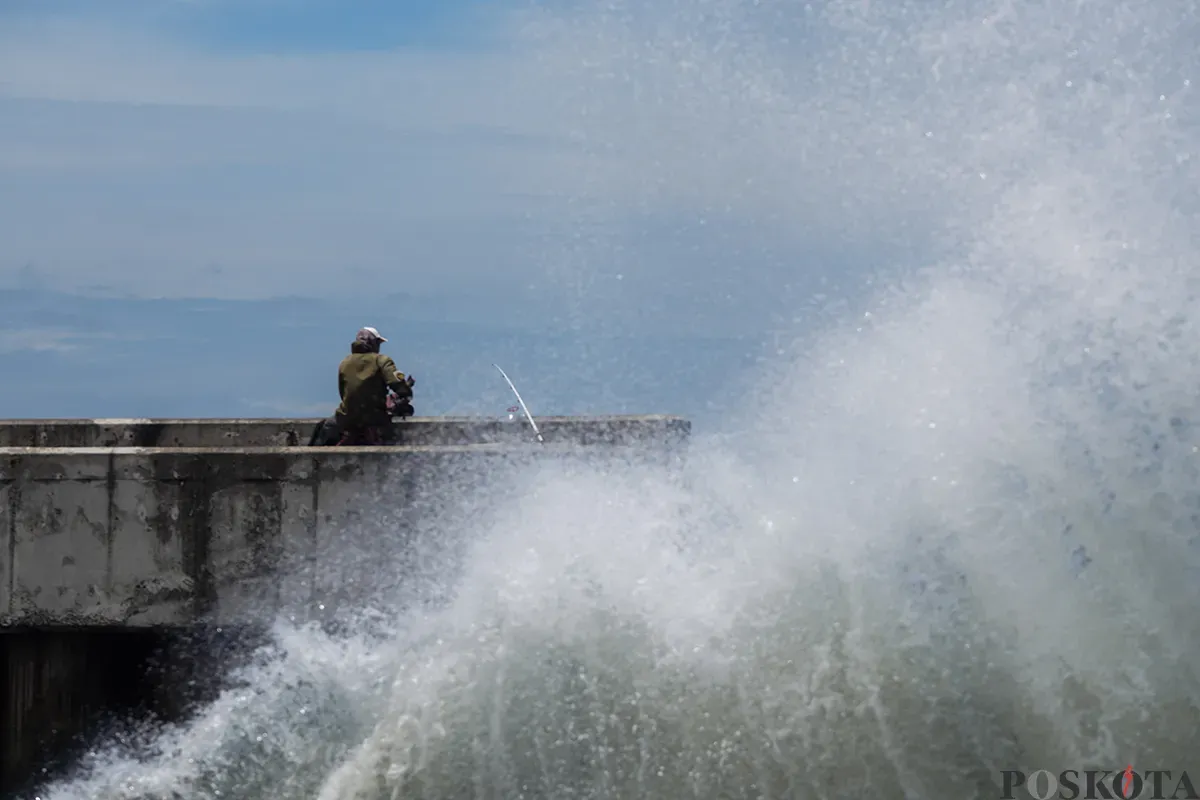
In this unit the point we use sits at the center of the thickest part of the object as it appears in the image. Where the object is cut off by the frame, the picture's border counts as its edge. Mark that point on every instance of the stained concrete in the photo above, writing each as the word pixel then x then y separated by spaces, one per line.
pixel 417 431
pixel 166 528
pixel 148 536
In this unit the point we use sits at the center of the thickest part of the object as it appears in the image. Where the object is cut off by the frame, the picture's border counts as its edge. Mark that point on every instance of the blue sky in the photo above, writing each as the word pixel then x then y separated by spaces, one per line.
pixel 586 176
pixel 290 26
pixel 629 203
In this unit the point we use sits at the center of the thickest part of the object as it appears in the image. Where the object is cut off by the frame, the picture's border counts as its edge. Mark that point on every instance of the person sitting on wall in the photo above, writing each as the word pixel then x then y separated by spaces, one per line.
pixel 328 433
pixel 372 390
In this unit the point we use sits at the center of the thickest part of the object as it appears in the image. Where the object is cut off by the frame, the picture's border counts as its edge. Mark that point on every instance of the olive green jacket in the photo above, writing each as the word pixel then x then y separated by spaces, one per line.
pixel 363 381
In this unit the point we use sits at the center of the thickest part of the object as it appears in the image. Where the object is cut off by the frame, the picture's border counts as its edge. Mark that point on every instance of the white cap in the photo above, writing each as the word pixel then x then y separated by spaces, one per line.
pixel 375 333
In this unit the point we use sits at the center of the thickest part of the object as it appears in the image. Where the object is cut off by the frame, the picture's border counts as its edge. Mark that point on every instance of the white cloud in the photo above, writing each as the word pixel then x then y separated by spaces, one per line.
pixel 37 340
pixel 54 339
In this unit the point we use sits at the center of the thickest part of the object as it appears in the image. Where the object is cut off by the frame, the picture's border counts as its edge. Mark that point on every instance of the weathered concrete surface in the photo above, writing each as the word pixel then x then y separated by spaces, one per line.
pixel 421 431
pixel 172 536
pixel 103 536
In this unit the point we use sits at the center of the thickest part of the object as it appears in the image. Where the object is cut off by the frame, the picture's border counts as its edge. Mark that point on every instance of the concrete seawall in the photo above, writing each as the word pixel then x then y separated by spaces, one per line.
pixel 170 527
pixel 415 431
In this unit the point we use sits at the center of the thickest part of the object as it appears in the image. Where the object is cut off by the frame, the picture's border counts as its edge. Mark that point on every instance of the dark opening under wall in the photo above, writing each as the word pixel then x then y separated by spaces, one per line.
pixel 64 689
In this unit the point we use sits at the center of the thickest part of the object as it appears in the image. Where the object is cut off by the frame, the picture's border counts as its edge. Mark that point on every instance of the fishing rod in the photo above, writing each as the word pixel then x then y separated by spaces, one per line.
pixel 524 408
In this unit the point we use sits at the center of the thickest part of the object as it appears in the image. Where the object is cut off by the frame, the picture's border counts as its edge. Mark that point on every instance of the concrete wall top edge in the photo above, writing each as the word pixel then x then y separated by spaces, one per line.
pixel 218 421
pixel 25 466
pixel 487 447
pixel 291 433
